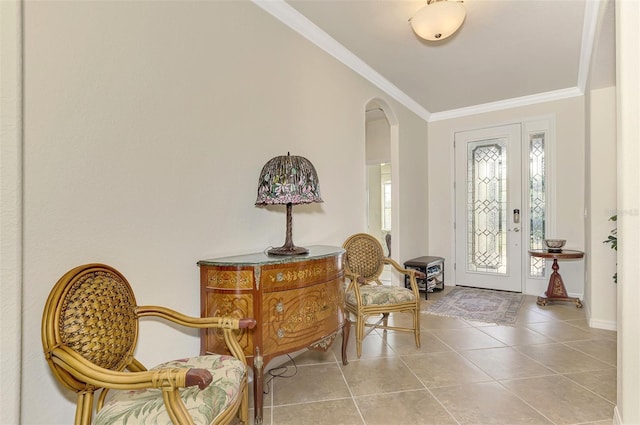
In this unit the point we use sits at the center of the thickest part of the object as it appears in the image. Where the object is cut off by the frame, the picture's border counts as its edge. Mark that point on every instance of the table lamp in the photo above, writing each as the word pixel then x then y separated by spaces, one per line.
pixel 288 180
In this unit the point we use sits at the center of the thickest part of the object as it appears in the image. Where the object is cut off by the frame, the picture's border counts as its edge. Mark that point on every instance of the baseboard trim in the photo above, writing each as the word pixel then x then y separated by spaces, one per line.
pixel 603 324
pixel 617 420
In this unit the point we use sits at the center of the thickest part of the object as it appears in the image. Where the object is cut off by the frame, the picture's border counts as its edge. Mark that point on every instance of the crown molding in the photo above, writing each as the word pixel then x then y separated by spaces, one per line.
pixel 593 12
pixel 506 104
pixel 303 26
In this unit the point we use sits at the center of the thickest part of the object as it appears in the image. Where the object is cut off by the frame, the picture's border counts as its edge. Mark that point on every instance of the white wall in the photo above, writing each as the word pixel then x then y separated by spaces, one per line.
pixel 11 209
pixel 601 196
pixel 374 216
pixel 146 125
pixel 628 130
pixel 570 171
pixel 378 151
pixel 378 148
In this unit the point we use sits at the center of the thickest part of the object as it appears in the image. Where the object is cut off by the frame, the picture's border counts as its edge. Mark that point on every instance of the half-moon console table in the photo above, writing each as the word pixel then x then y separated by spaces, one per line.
pixel 297 301
pixel 556 290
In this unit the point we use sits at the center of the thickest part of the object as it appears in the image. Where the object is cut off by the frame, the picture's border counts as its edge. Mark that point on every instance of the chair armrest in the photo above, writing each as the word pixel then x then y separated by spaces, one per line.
pixel 195 322
pixel 412 273
pixel 200 377
pixel 403 270
pixel 168 378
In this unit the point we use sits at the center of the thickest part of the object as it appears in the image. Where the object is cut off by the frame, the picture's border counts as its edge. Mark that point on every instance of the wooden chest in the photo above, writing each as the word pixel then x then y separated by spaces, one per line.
pixel 297 301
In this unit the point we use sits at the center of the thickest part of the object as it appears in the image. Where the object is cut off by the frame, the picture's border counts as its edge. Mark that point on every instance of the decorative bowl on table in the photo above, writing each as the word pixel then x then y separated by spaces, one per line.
pixel 554 245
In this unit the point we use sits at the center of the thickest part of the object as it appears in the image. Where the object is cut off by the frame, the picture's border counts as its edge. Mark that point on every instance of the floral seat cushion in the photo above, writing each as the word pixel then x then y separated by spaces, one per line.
pixel 381 295
pixel 147 407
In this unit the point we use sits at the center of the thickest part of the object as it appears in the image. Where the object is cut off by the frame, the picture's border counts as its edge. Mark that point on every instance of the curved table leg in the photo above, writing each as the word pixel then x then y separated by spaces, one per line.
pixel 345 340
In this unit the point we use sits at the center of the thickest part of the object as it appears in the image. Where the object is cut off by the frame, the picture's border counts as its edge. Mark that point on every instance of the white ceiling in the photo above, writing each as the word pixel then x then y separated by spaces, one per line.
pixel 507 52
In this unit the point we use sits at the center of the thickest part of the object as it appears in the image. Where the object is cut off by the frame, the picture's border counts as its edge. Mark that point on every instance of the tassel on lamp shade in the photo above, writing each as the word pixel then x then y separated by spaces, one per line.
pixel 288 180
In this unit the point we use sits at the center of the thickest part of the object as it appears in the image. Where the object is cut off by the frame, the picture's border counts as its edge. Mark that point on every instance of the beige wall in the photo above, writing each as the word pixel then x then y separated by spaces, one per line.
pixel 600 298
pixel 628 130
pixel 569 170
pixel 10 209
pixel 378 146
pixel 378 151
pixel 146 126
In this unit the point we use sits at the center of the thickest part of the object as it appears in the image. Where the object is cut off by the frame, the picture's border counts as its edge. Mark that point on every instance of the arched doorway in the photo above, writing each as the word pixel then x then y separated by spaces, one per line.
pixel 381 154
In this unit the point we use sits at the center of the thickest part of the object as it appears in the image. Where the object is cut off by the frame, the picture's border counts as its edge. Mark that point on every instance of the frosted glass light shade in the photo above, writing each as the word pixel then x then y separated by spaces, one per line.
pixel 438 19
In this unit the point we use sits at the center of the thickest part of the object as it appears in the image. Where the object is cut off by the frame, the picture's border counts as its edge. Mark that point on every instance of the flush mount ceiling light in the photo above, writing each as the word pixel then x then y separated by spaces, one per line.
pixel 438 19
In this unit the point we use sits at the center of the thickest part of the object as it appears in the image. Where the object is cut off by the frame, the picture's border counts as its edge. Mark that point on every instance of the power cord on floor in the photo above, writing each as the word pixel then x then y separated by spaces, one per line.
pixel 279 372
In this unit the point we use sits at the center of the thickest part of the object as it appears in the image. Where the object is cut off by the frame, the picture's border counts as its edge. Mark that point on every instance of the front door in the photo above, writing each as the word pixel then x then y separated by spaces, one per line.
pixel 489 241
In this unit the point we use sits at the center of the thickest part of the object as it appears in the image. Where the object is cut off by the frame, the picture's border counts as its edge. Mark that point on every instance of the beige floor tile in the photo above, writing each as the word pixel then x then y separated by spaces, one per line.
pixel 562 311
pixel 408 407
pixel 383 375
pixel 467 339
pixel 514 336
pixel 432 322
pixel 373 346
pixel 266 417
pixel 562 359
pixel 601 382
pixel 505 363
pixel 528 315
pixel 331 412
pixel 310 383
pixel 554 368
pixel 529 301
pixel 561 400
pixel 309 357
pixel 596 333
pixel 443 369
pixel 602 349
pixel 560 331
pixel 404 343
pixel 403 320
pixel 487 403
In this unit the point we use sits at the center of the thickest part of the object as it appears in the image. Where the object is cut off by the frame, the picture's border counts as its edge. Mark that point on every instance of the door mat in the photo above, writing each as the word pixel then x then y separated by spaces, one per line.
pixel 480 305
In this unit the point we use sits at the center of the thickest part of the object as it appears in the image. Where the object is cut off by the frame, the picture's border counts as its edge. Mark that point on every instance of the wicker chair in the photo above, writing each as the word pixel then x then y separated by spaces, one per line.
pixel 366 295
pixel 89 334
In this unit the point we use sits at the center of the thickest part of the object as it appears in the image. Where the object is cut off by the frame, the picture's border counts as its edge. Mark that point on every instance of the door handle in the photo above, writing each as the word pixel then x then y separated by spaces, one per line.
pixel 515 229
pixel 516 216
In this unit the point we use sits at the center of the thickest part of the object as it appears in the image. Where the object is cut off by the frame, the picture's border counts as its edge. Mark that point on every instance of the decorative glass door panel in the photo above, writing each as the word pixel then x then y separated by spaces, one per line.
pixel 488 203
pixel 486 209
pixel 537 202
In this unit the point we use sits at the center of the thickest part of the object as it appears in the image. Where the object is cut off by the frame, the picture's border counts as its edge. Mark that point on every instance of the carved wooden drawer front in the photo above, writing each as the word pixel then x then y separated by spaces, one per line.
pixel 297 301
pixel 229 278
pixel 300 316
pixel 228 304
pixel 300 274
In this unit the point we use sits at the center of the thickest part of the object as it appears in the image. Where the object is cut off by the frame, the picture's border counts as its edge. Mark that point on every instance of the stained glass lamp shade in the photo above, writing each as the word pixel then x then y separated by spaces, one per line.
pixel 288 180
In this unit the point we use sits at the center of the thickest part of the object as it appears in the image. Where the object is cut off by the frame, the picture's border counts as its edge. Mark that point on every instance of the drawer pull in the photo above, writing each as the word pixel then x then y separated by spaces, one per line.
pixel 280 332
pixel 279 308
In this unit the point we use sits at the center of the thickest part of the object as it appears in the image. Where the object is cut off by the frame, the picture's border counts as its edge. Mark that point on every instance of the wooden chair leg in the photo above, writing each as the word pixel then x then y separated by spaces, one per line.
pixel 84 408
pixel 416 327
pixel 359 334
pixel 244 405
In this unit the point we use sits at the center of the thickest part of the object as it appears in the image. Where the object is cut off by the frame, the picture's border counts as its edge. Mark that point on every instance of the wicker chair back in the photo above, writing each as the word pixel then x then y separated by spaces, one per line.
pixel 364 256
pixel 91 310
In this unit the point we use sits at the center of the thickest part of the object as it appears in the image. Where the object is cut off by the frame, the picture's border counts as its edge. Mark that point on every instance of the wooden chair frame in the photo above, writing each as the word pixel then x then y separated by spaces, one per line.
pixel 80 372
pixel 364 263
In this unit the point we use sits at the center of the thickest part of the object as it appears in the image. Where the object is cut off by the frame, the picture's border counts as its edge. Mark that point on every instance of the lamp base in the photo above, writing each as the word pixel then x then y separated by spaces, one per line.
pixel 288 250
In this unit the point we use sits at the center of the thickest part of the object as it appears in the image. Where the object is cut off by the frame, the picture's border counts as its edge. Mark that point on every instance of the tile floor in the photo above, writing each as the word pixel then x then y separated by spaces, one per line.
pixel 550 368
